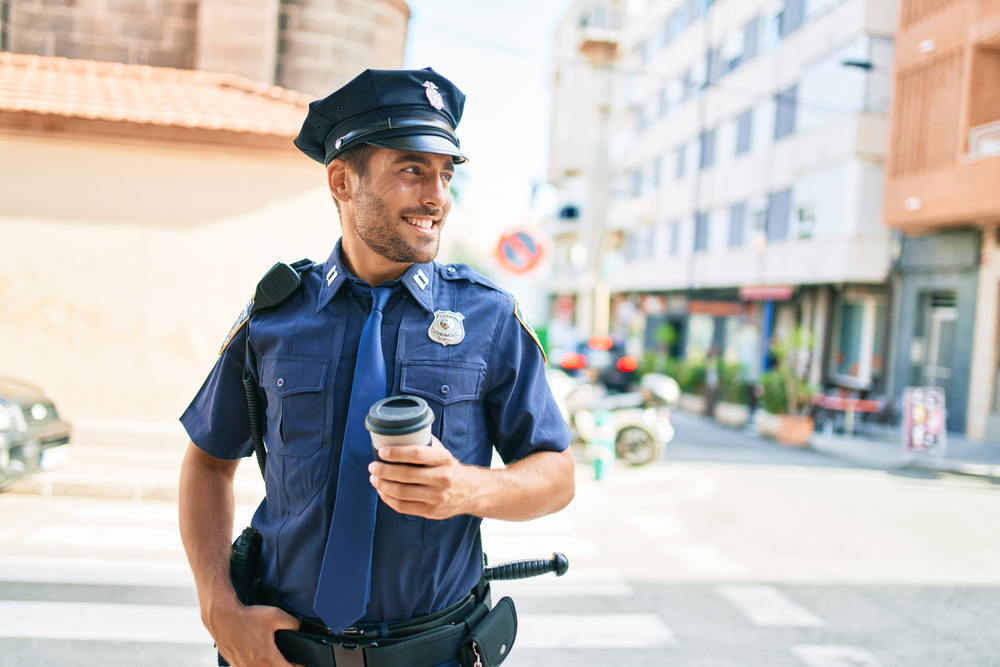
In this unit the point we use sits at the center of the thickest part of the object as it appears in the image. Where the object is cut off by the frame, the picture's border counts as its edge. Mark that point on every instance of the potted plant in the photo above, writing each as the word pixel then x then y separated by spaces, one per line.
pixel 787 394
pixel 732 409
pixel 690 375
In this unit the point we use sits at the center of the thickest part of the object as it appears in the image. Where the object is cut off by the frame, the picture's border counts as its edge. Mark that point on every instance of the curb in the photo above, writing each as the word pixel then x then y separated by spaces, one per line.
pixel 985 470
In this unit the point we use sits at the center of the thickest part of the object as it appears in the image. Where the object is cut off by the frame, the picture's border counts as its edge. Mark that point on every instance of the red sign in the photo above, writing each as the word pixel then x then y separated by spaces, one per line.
pixel 715 308
pixel 767 293
pixel 520 250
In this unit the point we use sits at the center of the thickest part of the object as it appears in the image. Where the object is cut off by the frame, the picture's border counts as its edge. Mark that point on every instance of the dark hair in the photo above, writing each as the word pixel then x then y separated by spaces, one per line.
pixel 357 158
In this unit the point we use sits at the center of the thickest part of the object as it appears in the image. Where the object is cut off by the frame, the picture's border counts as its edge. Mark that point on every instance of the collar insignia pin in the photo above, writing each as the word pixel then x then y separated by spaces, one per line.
pixel 331 275
pixel 433 96
pixel 421 280
pixel 447 328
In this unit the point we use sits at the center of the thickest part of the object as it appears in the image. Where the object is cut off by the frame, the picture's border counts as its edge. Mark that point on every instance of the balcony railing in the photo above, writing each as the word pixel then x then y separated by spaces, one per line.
pixel 984 141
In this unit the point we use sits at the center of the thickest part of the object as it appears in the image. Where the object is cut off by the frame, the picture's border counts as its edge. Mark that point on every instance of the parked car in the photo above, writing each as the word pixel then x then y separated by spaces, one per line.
pixel 600 359
pixel 32 437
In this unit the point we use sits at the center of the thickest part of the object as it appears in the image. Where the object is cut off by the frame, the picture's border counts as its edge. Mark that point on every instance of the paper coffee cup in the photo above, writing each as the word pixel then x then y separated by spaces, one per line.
pixel 399 420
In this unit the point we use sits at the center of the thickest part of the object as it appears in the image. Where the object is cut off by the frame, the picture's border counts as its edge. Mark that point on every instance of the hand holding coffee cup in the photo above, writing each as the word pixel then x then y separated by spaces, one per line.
pixel 399 420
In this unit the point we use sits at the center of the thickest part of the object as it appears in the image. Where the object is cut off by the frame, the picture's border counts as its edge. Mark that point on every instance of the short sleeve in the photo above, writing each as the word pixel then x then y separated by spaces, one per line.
pixel 217 420
pixel 524 414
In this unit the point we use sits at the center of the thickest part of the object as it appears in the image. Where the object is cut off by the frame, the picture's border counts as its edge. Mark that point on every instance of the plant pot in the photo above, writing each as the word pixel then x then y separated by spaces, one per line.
pixel 795 430
pixel 733 415
pixel 693 403
pixel 768 424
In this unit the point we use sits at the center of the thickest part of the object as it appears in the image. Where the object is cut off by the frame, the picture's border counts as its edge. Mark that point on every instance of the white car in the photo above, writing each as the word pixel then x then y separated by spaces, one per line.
pixel 32 437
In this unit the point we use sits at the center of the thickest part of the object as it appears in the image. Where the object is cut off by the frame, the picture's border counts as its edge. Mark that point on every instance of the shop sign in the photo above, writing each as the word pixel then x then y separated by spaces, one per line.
pixel 767 293
pixel 715 308
pixel 924 431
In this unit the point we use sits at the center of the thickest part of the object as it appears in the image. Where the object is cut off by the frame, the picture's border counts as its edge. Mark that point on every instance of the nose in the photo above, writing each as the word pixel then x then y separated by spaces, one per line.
pixel 436 192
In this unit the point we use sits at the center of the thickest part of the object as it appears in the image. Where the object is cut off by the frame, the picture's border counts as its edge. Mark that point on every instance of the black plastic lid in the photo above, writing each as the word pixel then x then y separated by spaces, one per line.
pixel 398 415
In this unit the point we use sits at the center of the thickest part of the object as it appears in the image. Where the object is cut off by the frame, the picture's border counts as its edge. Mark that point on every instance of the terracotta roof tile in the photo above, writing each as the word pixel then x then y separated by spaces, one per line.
pixel 148 95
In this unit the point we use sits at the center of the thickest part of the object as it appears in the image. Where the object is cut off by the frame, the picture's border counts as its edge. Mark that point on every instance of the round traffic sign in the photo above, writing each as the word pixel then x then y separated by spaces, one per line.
pixel 520 250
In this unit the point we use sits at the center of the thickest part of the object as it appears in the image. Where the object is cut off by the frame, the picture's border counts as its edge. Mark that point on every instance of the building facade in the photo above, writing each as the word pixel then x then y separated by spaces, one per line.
pixel 306 45
pixel 942 192
pixel 745 148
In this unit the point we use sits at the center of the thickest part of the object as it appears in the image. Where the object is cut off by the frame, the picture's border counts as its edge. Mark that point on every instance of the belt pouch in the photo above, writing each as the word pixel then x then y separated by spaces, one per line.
pixel 491 640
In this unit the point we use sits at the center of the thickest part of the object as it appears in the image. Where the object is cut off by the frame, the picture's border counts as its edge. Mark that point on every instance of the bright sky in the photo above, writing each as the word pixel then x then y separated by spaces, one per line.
pixel 498 54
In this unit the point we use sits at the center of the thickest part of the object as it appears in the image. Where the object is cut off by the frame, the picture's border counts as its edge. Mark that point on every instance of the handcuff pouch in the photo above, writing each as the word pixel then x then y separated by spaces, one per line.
pixel 490 642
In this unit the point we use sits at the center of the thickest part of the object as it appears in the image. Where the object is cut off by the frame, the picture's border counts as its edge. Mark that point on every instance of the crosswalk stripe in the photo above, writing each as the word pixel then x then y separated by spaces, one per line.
pixel 111 573
pixel 620 631
pixel 103 622
pixel 657 525
pixel 835 656
pixel 766 606
pixel 704 559
pixel 105 537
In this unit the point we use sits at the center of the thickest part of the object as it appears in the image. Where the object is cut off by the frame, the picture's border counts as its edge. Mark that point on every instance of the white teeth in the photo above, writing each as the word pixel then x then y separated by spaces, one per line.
pixel 422 224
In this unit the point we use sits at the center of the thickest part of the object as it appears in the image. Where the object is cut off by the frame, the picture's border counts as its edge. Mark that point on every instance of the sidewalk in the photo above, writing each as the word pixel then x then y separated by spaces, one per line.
pixel 136 464
pixel 961 456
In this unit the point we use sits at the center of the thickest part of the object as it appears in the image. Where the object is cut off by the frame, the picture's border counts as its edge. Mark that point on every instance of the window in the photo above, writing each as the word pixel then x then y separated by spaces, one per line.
pixel 675 237
pixel 750 35
pixel 737 223
pixel 778 210
pixel 791 17
pixel 744 130
pixel 681 161
pixel 731 52
pixel 784 117
pixel 701 232
pixel 637 182
pixel 858 339
pixel 569 212
pixel 707 154
pixel 807 221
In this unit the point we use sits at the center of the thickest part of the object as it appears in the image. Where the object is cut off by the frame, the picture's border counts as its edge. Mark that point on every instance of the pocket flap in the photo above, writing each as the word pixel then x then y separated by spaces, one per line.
pixel 287 374
pixel 491 640
pixel 443 382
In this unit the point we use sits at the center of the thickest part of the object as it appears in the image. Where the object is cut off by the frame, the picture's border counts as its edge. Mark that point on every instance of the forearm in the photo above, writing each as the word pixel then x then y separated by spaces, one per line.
pixel 535 486
pixel 207 507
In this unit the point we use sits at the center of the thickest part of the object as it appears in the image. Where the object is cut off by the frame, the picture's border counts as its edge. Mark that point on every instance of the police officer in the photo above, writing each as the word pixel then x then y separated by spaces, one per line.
pixel 379 312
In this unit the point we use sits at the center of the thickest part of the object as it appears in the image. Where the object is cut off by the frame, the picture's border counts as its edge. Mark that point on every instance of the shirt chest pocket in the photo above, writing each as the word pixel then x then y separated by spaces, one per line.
pixel 453 390
pixel 298 410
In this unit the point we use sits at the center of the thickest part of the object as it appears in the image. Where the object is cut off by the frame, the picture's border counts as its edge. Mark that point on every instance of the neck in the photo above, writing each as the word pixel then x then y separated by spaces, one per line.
pixel 366 264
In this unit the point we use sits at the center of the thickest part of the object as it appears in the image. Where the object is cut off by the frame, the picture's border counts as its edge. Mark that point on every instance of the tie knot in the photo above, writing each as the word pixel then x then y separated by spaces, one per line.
pixel 380 296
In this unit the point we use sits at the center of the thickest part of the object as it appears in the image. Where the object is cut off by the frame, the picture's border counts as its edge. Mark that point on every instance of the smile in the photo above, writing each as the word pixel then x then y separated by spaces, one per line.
pixel 423 224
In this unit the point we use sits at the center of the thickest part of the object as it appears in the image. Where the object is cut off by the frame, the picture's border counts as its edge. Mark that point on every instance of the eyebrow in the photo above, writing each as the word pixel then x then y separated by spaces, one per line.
pixel 420 158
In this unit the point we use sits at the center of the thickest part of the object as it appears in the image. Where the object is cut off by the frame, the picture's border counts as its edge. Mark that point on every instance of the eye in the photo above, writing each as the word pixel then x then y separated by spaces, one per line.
pixel 413 170
pixel 447 177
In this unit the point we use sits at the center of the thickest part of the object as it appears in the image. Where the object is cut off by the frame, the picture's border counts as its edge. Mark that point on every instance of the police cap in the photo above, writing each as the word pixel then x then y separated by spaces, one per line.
pixel 408 110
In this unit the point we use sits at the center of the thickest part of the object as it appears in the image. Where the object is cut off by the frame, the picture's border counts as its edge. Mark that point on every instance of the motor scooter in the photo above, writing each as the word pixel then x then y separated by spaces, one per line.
pixel 641 419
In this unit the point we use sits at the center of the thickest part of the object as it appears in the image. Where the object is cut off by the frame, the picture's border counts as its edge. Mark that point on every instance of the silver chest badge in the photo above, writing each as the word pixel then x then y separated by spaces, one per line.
pixel 433 96
pixel 447 328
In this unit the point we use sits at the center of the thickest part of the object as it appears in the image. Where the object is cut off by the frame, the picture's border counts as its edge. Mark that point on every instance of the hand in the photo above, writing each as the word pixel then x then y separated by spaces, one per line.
pixel 245 635
pixel 441 488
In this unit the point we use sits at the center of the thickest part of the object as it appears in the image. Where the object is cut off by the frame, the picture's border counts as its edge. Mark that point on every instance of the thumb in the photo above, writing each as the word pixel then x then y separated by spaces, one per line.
pixel 282 621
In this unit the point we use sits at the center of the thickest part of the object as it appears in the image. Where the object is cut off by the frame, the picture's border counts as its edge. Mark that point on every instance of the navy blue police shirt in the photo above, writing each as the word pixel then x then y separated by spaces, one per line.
pixel 487 391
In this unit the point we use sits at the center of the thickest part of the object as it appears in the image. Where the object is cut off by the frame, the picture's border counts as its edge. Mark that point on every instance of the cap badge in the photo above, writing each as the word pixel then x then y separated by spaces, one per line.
pixel 433 96
pixel 447 328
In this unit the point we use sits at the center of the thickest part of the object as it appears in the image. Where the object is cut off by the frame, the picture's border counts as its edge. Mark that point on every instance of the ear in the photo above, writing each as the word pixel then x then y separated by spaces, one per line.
pixel 337 178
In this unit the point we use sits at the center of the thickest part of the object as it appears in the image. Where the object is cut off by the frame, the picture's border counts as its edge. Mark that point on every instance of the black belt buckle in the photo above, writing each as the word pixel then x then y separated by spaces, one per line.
pixel 348 654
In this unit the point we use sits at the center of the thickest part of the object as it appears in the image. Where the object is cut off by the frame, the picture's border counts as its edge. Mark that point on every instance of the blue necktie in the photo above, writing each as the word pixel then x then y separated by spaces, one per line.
pixel 345 580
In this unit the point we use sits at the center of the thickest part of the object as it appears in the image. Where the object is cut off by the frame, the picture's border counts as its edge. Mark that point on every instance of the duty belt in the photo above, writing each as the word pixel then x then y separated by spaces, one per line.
pixel 421 642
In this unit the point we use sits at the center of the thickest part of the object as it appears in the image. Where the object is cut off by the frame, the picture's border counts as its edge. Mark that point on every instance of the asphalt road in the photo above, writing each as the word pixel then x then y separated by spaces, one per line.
pixel 732 551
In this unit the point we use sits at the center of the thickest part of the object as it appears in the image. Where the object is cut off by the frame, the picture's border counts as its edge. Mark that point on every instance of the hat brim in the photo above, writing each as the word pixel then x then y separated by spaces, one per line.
pixel 422 143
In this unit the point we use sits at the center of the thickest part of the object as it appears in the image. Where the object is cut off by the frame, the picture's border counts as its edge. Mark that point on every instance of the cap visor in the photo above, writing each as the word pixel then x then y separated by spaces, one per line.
pixel 422 143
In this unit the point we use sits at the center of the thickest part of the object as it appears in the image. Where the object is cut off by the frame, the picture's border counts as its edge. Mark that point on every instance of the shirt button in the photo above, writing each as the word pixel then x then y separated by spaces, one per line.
pixel 445 389
pixel 350 293
pixel 451 269
pixel 281 382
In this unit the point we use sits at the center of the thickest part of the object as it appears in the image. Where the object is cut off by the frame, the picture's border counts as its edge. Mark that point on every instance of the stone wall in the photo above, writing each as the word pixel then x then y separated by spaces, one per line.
pixel 323 45
pixel 160 33
pixel 313 46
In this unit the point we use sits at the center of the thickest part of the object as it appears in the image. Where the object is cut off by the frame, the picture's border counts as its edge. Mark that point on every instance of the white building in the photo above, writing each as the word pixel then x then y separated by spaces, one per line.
pixel 746 149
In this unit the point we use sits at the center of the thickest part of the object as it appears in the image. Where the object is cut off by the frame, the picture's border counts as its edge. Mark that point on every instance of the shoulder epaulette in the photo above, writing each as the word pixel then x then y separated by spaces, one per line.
pixel 465 272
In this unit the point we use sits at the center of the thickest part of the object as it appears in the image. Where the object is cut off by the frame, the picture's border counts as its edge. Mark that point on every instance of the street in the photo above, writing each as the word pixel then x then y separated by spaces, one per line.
pixel 732 551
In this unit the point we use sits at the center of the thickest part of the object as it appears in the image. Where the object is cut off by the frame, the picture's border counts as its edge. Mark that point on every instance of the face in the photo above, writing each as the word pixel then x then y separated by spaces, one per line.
pixel 401 204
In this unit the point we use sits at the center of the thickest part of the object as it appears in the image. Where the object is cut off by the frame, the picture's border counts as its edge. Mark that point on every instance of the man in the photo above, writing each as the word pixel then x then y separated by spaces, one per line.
pixel 378 313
